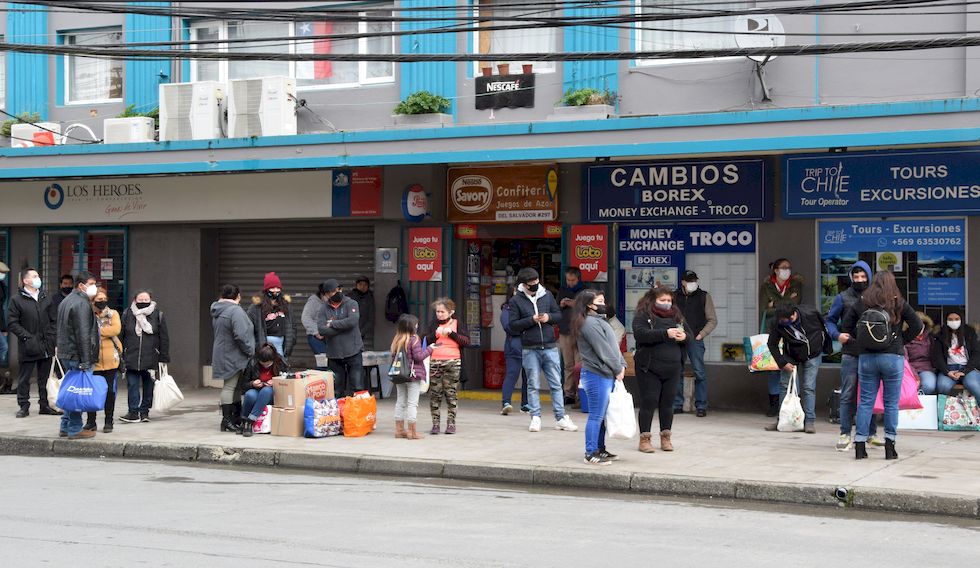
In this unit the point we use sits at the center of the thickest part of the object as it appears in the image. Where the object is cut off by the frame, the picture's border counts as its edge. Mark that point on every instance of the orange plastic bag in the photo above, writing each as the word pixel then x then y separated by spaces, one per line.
pixel 360 415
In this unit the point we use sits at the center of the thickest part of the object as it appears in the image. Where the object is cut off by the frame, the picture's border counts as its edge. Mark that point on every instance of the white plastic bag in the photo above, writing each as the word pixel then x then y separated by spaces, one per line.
pixel 791 411
pixel 264 424
pixel 620 416
pixel 424 385
pixel 54 382
pixel 166 394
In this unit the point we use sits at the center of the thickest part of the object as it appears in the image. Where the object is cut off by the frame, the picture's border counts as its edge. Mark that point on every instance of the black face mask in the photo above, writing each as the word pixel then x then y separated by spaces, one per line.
pixel 142 305
pixel 859 286
pixel 601 310
pixel 67 290
pixel 101 305
pixel 532 288
pixel 443 322
pixel 336 298
pixel 273 295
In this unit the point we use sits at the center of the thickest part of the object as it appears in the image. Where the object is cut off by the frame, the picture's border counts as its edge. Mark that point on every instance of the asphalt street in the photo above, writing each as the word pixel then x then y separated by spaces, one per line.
pixel 125 513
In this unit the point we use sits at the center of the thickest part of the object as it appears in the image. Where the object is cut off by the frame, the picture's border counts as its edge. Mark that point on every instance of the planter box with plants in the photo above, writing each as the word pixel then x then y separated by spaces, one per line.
pixel 585 104
pixel 423 108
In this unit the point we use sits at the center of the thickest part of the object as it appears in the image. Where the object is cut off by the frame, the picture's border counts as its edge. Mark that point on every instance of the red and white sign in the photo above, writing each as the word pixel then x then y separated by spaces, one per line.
pixel 365 192
pixel 590 251
pixel 425 254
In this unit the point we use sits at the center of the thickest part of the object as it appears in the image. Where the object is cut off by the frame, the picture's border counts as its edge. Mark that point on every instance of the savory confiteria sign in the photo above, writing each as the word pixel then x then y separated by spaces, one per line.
pixel 507 194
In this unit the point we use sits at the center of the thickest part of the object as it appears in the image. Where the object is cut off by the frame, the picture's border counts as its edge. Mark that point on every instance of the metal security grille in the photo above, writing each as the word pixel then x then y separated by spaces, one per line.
pixel 101 251
pixel 302 255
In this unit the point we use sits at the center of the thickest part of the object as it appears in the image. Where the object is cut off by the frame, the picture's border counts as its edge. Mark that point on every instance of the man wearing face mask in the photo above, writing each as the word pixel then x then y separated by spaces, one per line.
pixel 272 318
pixel 65 288
pixel 30 321
pixel 341 332
pixel 78 342
pixel 699 312
pixel 798 339
pixel 858 274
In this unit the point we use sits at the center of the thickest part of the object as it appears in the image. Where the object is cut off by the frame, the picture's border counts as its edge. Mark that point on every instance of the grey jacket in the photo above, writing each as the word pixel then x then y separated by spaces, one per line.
pixel 234 339
pixel 599 349
pixel 312 313
pixel 78 330
pixel 339 328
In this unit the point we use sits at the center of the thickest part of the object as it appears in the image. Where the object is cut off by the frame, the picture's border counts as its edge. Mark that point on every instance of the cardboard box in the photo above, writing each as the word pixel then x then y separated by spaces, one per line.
pixel 290 392
pixel 287 422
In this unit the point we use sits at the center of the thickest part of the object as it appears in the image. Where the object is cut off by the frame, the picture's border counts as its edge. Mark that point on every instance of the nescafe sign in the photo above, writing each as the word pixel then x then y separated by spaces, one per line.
pixel 472 194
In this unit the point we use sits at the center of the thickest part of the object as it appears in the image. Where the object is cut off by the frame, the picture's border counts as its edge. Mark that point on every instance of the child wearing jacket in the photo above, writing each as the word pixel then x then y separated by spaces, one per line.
pixel 447 336
pixel 407 393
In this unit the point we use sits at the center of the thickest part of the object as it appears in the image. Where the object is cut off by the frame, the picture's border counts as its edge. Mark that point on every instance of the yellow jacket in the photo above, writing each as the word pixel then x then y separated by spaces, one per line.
pixel 109 327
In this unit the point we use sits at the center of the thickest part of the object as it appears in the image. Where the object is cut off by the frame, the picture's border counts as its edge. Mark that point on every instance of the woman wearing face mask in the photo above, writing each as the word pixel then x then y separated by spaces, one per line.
pixel 919 353
pixel 256 384
pixel 782 287
pixel 107 367
pixel 956 355
pixel 271 317
pixel 407 401
pixel 661 335
pixel 146 344
pixel 447 336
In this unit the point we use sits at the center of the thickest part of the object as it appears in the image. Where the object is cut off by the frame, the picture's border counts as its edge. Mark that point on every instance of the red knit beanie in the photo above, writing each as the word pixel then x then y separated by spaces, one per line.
pixel 271 281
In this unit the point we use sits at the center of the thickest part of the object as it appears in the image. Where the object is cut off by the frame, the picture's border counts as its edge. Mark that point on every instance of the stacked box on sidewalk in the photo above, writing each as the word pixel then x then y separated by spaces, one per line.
pixel 289 400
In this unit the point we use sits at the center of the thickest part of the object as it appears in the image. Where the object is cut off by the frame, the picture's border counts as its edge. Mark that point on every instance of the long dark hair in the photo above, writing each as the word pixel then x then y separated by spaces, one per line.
pixel 883 294
pixel 267 353
pixel 580 310
pixel 648 301
pixel 268 305
pixel 946 335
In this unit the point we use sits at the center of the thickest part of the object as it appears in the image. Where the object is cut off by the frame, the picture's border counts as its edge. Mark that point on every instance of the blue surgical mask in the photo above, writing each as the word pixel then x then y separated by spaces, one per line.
pixel 36 283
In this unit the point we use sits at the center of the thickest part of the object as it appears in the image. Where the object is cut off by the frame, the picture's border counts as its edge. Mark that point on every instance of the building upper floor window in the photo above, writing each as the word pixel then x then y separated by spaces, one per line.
pixel 689 33
pixel 542 39
pixel 89 79
pixel 308 74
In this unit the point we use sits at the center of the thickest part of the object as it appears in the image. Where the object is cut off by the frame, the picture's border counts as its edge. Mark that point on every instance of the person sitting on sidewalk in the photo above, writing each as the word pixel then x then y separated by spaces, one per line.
pixel 256 384
pixel 798 341
pixel 956 355
pixel 919 354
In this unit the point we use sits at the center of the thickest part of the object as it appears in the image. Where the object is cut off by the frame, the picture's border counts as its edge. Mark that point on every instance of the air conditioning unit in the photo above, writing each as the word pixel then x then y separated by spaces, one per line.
pixel 191 111
pixel 127 130
pixel 28 135
pixel 262 107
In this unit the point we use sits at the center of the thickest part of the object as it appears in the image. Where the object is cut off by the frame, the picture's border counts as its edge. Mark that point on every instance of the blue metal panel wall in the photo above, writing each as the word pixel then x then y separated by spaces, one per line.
pixel 143 77
pixel 436 77
pixel 27 79
pixel 591 74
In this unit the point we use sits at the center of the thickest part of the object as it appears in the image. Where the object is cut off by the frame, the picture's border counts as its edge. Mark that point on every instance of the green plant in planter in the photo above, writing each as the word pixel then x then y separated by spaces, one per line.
pixel 22 117
pixel 582 97
pixel 131 112
pixel 423 102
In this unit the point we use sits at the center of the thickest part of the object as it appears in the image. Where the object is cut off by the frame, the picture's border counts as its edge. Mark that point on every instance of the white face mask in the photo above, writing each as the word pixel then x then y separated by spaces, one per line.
pixel 91 291
pixel 691 287
pixel 783 274
pixel 36 283
pixel 3 276
pixel 954 324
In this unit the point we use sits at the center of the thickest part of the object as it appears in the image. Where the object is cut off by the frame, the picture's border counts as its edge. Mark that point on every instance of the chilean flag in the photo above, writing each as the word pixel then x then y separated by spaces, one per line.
pixel 313 69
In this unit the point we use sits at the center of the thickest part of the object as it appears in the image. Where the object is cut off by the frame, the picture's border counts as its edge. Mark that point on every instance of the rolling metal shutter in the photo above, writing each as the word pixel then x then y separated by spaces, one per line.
pixel 302 255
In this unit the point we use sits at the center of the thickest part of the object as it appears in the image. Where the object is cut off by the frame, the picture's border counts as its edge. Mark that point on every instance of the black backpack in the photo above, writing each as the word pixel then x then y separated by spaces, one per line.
pixel 396 303
pixel 874 330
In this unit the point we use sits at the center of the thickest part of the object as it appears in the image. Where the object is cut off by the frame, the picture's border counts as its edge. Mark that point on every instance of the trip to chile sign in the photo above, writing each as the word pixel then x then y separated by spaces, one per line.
pixel 693 190
pixel 906 182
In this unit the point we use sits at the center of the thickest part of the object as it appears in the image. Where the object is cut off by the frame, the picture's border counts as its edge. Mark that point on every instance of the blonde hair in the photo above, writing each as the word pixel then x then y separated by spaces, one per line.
pixel 404 331
pixel 449 304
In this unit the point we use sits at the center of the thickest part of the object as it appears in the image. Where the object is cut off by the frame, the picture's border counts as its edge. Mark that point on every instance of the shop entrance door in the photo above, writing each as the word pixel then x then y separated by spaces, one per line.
pixel 101 251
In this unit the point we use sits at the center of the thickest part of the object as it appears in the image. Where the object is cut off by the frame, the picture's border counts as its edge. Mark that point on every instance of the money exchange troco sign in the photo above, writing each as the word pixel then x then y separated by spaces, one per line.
pixel 503 194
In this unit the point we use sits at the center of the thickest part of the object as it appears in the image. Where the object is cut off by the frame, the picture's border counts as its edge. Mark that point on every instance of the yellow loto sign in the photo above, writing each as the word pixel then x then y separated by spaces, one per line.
pixel 503 194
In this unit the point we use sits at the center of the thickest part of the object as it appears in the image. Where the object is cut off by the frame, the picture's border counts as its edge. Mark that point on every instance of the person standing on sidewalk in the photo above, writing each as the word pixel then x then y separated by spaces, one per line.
pixel 66 287
pixel 569 354
pixel 798 340
pixel 407 393
pixel 272 320
pixel 364 297
pixel 146 344
pixel 447 336
pixel 234 345
pixel 602 365
pixel 32 322
pixel 513 358
pixel 78 343
pixel 339 327
pixel 699 312
pixel 535 311
pixel 661 336
pixel 312 313
pixel 859 274
pixel 5 381
pixel 110 348
pixel 781 287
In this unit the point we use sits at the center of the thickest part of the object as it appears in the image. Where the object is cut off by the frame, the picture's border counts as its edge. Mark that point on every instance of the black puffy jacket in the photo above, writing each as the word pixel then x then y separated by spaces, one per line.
pixel 794 350
pixel 78 330
pixel 32 322
pixel 144 352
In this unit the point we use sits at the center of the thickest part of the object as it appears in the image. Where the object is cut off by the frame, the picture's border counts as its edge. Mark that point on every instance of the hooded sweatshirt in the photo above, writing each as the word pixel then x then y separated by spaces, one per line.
pixel 842 302
pixel 234 339
pixel 534 335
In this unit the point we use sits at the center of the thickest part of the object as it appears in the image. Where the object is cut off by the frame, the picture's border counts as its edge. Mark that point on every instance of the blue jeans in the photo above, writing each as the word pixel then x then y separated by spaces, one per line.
pixel 597 389
pixel 806 374
pixel 931 383
pixel 138 404
pixel 547 361
pixel 277 342
pixel 774 380
pixel 514 368
pixel 4 349
pixel 317 346
pixel 71 422
pixel 848 396
pixel 695 352
pixel 873 369
pixel 255 401
pixel 971 381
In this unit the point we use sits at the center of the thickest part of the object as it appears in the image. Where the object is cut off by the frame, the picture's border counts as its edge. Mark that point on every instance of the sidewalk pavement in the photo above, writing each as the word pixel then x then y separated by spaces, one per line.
pixel 725 455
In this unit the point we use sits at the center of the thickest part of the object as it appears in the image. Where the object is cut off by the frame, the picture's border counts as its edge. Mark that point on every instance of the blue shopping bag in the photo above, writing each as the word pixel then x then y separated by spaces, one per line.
pixel 80 392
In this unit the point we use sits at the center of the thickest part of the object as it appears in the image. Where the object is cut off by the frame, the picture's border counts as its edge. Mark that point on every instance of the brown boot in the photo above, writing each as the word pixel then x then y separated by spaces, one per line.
pixel 645 445
pixel 412 433
pixel 400 429
pixel 665 444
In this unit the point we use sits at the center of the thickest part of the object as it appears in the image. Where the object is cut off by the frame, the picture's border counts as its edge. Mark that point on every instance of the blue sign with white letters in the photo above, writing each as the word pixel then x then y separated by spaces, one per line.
pixel 905 182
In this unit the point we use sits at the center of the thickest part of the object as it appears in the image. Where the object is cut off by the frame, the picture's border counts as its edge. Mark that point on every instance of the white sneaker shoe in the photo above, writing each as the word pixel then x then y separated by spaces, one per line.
pixel 535 424
pixel 566 424
pixel 875 441
pixel 843 443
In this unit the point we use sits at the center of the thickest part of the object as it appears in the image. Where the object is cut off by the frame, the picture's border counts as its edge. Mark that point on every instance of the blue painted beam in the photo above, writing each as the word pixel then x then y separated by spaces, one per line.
pixel 143 77
pixel 27 73
pixel 601 75
pixel 437 77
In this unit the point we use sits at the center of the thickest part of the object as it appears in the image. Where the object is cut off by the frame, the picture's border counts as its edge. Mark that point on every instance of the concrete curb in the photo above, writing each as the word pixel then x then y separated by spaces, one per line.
pixel 870 499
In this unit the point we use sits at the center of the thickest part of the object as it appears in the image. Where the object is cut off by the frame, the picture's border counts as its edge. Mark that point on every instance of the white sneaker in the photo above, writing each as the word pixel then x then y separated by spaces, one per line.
pixel 843 443
pixel 535 424
pixel 876 441
pixel 566 424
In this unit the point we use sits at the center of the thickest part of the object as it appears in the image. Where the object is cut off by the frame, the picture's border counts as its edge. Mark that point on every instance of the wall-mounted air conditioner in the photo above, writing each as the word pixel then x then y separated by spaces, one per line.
pixel 191 111
pixel 127 130
pixel 28 135
pixel 262 107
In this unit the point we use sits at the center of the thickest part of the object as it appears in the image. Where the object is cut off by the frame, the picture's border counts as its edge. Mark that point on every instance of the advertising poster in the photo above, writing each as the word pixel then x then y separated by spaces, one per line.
pixel 589 251
pixel 425 254
pixel 513 194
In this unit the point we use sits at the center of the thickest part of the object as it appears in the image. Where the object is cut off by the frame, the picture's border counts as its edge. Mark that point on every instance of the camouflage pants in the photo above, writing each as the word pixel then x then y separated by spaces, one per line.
pixel 444 383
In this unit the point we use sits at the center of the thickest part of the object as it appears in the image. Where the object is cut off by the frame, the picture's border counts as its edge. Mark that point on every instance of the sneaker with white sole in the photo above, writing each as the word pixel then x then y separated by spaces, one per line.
pixel 595 458
pixel 606 455
pixel 843 443
pixel 876 441
pixel 507 409
pixel 566 424
pixel 535 424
